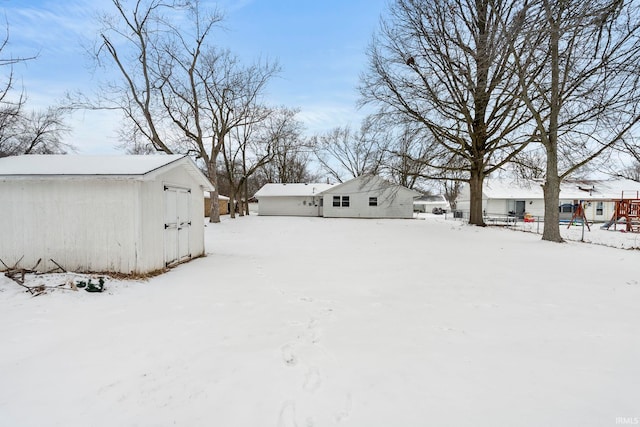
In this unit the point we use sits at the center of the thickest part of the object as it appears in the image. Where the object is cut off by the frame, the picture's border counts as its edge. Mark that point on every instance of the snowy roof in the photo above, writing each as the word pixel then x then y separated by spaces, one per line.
pixel 207 195
pixel 62 165
pixel 569 189
pixel 508 189
pixel 279 190
pixel 369 182
pixel 438 198
pixel 59 164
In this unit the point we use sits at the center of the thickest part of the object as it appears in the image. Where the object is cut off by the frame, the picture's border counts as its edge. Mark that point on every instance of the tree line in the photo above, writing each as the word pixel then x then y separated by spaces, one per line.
pixel 460 90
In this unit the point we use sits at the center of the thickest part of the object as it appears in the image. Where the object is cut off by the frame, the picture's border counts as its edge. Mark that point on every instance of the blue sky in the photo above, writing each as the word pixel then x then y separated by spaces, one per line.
pixel 319 44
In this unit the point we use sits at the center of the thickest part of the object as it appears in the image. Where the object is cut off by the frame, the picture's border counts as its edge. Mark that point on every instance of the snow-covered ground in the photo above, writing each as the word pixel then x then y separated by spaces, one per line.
pixel 328 322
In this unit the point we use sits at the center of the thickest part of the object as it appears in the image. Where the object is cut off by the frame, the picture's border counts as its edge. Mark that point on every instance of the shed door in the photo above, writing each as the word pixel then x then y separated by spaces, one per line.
pixel 177 222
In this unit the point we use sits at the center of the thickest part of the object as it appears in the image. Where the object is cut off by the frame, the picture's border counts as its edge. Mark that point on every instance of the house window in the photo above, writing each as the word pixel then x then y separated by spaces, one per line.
pixel 566 208
pixel 345 201
pixel 373 201
pixel 336 201
pixel 600 208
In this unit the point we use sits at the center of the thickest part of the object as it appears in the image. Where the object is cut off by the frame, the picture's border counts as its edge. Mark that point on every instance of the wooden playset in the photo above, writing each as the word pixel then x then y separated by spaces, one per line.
pixel 629 210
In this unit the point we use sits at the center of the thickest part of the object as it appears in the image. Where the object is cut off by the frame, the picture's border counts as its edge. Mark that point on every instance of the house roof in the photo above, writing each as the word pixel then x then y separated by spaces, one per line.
pixel 61 165
pixel 569 189
pixel 371 181
pixel 509 189
pixel 280 190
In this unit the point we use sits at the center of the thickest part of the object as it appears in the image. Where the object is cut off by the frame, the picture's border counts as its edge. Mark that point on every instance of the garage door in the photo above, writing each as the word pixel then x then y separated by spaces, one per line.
pixel 177 224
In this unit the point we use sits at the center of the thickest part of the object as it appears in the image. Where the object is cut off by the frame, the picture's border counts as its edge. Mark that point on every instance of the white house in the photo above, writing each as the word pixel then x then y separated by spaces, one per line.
pixel 125 214
pixel 508 197
pixel 291 199
pixel 368 196
pixel 362 197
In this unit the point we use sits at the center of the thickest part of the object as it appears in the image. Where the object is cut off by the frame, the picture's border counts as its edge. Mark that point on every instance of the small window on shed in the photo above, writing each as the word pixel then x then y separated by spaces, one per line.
pixel 336 201
pixel 600 208
pixel 345 201
pixel 373 201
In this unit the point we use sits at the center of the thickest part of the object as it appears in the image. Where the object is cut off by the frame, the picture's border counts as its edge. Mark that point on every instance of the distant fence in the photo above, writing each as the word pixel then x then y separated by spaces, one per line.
pixel 527 222
pixel 577 231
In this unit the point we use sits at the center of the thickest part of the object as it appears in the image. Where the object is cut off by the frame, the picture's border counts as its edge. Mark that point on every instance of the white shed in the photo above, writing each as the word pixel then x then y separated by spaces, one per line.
pixel 291 199
pixel 369 196
pixel 125 214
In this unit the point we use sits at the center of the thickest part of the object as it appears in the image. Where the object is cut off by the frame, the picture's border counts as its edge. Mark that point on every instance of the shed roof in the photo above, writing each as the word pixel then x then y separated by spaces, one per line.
pixel 62 165
pixel 280 190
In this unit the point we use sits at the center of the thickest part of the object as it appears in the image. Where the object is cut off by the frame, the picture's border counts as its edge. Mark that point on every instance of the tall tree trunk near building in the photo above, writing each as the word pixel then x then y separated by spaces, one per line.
pixel 551 186
pixel 476 215
pixel 214 216
pixel 245 191
pixel 551 190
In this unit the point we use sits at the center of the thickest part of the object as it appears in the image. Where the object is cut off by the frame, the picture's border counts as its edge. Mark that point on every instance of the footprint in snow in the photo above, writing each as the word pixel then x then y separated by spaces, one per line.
pixel 312 380
pixel 287 417
pixel 346 411
pixel 288 355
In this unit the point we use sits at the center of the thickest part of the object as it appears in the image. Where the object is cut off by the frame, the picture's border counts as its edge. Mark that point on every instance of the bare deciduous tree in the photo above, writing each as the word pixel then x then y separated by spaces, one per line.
pixel 175 90
pixel 292 152
pixel 344 153
pixel 38 132
pixel 27 132
pixel 580 82
pixel 412 154
pixel 250 148
pixel 529 164
pixel 445 65
pixel 632 172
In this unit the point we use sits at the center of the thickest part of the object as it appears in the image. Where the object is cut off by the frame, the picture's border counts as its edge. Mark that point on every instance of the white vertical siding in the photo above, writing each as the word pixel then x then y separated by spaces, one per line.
pixel 289 206
pixel 152 217
pixel 79 223
pixel 393 201
pixel 101 224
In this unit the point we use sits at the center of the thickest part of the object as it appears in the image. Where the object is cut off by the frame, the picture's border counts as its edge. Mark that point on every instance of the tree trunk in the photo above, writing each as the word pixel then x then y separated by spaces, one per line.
pixel 241 207
pixel 232 205
pixel 214 216
pixel 476 216
pixel 551 188
pixel 245 190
